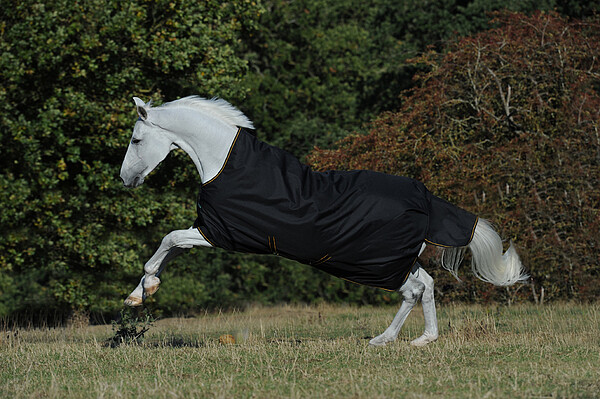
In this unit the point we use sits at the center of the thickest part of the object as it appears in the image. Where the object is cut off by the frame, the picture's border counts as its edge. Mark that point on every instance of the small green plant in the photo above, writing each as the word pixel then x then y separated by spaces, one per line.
pixel 130 327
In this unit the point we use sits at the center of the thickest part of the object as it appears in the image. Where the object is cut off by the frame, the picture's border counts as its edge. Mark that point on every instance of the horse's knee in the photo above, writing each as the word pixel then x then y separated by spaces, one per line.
pixel 412 291
pixel 171 240
pixel 415 294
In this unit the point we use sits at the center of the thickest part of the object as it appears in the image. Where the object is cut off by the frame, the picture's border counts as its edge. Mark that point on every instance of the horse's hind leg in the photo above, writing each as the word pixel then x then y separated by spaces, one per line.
pixel 173 244
pixel 427 300
pixel 411 290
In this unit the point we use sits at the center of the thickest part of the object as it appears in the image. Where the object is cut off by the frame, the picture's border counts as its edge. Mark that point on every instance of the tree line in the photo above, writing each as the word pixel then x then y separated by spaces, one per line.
pixel 309 73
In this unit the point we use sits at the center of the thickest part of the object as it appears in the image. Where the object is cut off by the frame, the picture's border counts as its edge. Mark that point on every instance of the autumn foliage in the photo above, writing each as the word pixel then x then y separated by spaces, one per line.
pixel 506 124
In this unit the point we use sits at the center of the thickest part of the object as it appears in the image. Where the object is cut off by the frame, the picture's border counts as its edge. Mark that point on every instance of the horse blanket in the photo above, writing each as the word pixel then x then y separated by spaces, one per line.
pixel 362 226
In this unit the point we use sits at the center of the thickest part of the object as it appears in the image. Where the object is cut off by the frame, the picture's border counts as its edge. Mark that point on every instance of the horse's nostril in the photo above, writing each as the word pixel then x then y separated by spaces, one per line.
pixel 129 183
pixel 136 181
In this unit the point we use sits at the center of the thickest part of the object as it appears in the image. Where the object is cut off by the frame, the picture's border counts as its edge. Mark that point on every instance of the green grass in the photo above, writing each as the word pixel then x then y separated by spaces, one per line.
pixel 294 351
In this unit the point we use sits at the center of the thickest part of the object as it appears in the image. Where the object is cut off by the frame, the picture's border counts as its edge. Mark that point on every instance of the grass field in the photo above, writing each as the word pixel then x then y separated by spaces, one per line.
pixel 294 351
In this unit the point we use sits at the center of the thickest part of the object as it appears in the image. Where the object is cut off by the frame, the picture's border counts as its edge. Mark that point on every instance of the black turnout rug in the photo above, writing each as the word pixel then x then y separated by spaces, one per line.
pixel 362 226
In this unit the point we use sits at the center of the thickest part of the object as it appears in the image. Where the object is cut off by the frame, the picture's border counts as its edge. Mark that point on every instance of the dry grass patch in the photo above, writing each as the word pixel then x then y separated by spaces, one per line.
pixel 297 351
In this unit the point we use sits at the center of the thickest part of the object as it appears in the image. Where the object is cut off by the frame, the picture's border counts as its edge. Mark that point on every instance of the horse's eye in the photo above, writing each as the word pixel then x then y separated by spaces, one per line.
pixel 135 141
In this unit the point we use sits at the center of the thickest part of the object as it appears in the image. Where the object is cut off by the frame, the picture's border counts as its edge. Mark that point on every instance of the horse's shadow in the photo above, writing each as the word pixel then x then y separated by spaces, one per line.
pixel 177 342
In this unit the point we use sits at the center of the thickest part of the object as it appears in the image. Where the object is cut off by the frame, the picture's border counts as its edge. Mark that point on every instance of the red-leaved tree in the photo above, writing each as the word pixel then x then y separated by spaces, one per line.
pixel 506 124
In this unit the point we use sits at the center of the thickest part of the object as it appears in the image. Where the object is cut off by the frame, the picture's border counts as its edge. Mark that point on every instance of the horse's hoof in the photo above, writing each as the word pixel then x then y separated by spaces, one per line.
pixel 133 301
pixel 424 340
pixel 380 341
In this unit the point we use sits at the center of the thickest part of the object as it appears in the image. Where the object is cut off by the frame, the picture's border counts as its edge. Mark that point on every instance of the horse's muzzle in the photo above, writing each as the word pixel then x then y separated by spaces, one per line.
pixel 132 183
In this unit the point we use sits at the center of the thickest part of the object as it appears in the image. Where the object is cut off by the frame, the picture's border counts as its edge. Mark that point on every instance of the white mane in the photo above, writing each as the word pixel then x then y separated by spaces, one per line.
pixel 216 107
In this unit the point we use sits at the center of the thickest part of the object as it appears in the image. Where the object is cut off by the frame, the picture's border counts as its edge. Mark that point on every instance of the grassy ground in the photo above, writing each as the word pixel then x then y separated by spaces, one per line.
pixel 483 352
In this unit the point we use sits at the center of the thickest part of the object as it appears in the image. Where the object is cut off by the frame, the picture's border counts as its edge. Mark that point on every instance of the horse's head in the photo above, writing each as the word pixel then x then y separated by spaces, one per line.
pixel 149 145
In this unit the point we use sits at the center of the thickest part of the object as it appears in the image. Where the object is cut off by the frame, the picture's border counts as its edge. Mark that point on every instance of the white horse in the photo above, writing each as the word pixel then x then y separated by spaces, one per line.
pixel 206 130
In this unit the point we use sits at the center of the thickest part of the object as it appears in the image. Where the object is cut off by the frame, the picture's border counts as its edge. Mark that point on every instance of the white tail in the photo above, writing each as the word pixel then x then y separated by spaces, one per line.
pixel 489 264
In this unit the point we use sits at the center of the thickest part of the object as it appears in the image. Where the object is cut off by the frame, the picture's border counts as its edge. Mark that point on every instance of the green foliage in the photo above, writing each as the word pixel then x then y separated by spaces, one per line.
pixel 321 67
pixel 131 327
pixel 72 235
pixel 506 125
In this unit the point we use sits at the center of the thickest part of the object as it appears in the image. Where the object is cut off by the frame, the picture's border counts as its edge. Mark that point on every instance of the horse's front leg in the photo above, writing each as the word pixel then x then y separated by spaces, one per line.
pixel 173 244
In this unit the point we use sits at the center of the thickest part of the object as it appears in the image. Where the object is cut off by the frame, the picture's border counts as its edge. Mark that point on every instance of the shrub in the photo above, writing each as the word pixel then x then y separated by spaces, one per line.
pixel 505 124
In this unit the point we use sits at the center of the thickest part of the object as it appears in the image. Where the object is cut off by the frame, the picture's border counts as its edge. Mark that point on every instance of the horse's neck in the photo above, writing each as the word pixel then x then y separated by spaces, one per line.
pixel 205 139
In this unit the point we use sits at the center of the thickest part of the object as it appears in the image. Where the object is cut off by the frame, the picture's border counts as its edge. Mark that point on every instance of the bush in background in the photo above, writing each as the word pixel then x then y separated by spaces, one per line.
pixel 506 124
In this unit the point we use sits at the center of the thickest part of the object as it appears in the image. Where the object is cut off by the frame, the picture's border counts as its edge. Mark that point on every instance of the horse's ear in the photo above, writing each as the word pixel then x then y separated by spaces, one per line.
pixel 141 108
